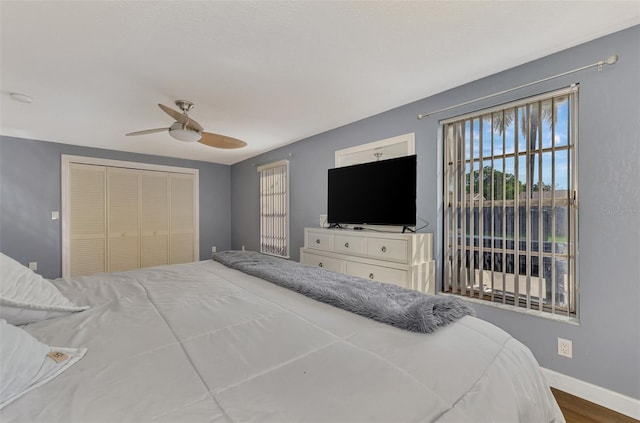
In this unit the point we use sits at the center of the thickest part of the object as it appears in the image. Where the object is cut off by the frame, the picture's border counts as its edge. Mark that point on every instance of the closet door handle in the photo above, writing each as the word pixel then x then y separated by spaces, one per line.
pixel 346 244
pixel 318 241
pixel 384 249
pixel 320 264
pixel 370 275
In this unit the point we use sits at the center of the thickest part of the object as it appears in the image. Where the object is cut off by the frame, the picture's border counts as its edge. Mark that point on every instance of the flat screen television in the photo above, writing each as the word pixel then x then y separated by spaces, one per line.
pixel 375 193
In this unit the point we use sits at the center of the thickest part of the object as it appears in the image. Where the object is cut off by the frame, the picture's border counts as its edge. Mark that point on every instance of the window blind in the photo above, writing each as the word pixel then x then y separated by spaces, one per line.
pixel 274 208
pixel 510 197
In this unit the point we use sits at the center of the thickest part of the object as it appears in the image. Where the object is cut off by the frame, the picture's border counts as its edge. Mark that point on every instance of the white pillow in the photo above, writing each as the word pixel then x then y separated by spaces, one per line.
pixel 26 297
pixel 27 363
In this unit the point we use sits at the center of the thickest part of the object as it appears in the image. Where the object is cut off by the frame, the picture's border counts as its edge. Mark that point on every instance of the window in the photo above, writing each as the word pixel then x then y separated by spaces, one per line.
pixel 274 208
pixel 510 211
pixel 388 148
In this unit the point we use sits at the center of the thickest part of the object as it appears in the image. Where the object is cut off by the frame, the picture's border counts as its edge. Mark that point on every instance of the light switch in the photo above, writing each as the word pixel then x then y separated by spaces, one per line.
pixel 55 215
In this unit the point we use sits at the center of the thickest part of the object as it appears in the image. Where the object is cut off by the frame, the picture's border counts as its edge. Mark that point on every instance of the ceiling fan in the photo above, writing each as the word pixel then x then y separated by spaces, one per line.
pixel 188 130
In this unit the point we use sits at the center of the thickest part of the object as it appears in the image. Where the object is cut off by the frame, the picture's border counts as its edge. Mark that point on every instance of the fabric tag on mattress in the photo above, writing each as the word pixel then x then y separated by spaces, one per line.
pixel 57 356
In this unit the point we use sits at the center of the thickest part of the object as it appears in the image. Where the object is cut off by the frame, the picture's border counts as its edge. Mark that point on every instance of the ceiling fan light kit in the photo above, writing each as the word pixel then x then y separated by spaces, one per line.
pixel 188 130
pixel 182 132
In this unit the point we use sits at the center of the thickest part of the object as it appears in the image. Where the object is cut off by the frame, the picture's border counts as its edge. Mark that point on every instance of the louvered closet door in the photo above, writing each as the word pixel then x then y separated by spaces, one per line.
pixel 154 218
pixel 122 219
pixel 181 218
pixel 87 219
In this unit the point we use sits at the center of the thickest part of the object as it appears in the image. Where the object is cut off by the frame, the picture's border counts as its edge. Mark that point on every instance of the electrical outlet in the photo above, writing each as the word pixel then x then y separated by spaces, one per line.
pixel 33 265
pixel 213 249
pixel 565 348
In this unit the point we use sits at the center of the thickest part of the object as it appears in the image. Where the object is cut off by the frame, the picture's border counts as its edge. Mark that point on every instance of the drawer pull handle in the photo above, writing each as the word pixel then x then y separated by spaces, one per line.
pixel 370 275
pixel 318 241
pixel 384 249
pixel 320 264
pixel 346 244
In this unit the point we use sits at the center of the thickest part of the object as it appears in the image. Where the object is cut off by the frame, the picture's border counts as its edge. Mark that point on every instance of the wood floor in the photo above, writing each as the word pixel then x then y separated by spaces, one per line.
pixel 578 410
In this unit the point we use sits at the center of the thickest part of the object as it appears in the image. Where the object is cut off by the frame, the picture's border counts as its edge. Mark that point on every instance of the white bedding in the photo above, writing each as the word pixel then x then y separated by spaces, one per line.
pixel 200 342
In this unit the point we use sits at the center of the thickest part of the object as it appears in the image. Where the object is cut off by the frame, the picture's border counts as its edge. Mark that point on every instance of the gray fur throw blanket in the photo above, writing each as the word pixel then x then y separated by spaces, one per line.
pixel 400 307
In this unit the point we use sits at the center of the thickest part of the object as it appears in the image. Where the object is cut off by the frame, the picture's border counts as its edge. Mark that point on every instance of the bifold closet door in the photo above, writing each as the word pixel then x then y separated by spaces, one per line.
pixel 87 223
pixel 154 218
pixel 122 219
pixel 181 221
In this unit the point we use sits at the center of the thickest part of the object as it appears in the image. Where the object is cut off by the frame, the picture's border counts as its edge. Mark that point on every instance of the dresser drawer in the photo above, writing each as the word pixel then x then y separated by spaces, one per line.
pixel 388 249
pixel 320 241
pixel 379 273
pixel 328 263
pixel 349 245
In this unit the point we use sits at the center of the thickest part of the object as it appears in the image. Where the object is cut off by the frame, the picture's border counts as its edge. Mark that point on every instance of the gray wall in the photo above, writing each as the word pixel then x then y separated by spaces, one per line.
pixel 606 343
pixel 30 190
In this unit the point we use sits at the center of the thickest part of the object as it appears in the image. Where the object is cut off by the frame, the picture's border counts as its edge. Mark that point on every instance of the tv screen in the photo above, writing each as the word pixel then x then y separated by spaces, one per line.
pixel 376 193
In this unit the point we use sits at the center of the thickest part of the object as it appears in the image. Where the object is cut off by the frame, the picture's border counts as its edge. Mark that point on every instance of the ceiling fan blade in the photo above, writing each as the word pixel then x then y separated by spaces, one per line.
pixel 220 141
pixel 147 131
pixel 180 117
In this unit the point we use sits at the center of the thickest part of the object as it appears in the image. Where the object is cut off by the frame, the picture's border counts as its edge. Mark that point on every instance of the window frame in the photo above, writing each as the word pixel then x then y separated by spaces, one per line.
pixel 274 225
pixel 388 148
pixel 453 184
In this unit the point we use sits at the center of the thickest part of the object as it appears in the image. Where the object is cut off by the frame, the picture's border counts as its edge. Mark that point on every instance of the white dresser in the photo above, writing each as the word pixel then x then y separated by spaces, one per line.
pixel 401 259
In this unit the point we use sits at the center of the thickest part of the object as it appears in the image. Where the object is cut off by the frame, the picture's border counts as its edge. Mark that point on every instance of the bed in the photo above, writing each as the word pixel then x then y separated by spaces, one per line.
pixel 204 342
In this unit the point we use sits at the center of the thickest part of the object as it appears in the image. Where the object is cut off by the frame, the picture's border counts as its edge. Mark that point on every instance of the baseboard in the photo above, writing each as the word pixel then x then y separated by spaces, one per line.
pixel 596 394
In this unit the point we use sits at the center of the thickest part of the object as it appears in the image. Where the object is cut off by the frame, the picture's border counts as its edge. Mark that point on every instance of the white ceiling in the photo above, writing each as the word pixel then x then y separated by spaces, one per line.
pixel 267 72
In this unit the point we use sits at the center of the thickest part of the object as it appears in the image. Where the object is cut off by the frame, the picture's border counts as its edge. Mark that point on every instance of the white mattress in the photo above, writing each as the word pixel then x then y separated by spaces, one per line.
pixel 200 342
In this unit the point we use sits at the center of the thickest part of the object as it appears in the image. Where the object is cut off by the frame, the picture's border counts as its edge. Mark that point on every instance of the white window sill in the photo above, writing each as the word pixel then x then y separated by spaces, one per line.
pixel 537 313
